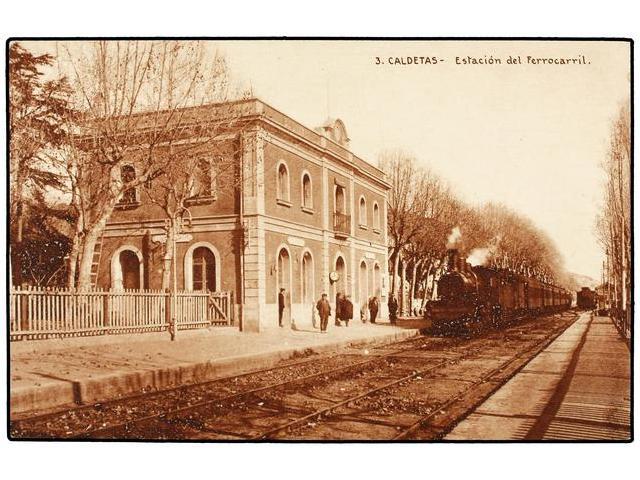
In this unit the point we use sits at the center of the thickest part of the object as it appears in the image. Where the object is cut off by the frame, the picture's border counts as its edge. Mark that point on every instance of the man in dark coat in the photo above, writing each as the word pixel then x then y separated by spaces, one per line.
pixel 347 309
pixel 373 309
pixel 281 304
pixel 324 310
pixel 339 303
pixel 393 308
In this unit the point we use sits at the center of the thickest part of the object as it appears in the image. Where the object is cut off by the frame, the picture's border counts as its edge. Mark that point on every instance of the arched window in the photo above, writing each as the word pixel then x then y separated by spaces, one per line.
pixel 307 192
pixel 376 216
pixel 128 174
pixel 362 213
pixel 307 278
pixel 204 270
pixel 204 179
pixel 283 183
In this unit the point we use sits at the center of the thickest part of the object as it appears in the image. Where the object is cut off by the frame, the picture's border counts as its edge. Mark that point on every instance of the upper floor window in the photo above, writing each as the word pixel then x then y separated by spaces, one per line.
pixel 376 216
pixel 204 181
pixel 282 185
pixel 127 175
pixel 307 191
pixel 340 200
pixel 362 213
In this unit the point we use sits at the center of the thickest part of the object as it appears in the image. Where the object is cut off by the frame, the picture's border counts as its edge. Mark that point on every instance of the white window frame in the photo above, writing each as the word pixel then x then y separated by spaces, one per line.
pixel 362 222
pixel 307 208
pixel 280 198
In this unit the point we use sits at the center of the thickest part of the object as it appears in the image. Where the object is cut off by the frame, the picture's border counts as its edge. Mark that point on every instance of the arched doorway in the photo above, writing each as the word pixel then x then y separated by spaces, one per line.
pixel 204 270
pixel 127 268
pixel 340 285
pixel 363 283
pixel 284 281
pixel 307 279
pixel 130 268
pixel 377 287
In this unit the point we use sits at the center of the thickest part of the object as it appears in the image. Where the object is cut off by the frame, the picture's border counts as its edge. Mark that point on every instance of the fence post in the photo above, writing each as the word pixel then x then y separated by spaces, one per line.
pixel 168 318
pixel 24 310
pixel 106 313
pixel 232 309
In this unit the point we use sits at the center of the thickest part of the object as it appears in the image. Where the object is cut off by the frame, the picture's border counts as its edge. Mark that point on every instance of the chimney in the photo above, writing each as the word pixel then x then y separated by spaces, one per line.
pixel 452 260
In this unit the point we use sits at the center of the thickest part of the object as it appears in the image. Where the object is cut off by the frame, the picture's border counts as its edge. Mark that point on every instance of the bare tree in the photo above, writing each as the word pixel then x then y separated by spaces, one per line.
pixel 137 100
pixel 407 204
pixel 613 225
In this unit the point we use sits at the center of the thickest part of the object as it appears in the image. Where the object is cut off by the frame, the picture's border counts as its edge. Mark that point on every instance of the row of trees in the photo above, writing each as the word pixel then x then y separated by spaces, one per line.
pixel 425 218
pixel 74 138
pixel 613 224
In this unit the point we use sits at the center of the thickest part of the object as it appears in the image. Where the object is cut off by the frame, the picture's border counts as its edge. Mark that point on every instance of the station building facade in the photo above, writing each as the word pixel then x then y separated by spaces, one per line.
pixel 307 215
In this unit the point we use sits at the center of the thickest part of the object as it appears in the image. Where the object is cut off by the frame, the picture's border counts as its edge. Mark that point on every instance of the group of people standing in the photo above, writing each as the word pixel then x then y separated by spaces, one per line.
pixel 344 310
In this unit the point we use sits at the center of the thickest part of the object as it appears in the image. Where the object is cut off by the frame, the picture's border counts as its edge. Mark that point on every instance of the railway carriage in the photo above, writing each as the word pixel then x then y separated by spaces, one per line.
pixel 481 297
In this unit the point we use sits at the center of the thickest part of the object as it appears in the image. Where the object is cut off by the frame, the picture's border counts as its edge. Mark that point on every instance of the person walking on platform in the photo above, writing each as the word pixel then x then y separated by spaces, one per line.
pixel 324 311
pixel 347 309
pixel 364 312
pixel 373 309
pixel 281 304
pixel 393 309
pixel 339 303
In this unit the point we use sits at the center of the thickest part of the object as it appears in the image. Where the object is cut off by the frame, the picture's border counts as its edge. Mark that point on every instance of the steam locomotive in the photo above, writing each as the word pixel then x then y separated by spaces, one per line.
pixel 475 298
pixel 586 299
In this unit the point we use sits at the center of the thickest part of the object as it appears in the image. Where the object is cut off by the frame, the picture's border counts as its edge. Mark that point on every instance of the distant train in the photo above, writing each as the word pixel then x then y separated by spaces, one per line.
pixel 586 299
pixel 479 297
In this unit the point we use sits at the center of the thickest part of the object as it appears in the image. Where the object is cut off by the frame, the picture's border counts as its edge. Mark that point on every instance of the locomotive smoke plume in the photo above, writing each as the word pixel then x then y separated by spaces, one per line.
pixel 454 237
pixel 478 256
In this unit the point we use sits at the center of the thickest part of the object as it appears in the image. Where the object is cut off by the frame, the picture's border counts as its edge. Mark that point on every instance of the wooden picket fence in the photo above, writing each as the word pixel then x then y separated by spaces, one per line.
pixel 36 313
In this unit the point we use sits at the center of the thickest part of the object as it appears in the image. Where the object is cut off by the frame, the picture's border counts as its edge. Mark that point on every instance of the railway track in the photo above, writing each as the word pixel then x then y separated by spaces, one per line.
pixel 388 393
pixel 79 421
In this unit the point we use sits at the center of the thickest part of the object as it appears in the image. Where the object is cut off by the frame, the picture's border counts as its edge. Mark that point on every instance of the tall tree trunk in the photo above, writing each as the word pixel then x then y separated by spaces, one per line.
pixel 396 265
pixel 73 260
pixel 88 248
pixel 168 256
pixel 426 284
pixel 412 290
pixel 16 244
pixel 403 278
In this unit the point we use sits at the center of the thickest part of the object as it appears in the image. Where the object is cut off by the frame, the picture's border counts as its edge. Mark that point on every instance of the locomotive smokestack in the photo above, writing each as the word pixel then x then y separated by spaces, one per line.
pixel 453 262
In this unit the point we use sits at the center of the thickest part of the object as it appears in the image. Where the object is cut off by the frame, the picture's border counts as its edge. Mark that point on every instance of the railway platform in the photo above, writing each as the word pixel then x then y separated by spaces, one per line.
pixel 578 388
pixel 51 374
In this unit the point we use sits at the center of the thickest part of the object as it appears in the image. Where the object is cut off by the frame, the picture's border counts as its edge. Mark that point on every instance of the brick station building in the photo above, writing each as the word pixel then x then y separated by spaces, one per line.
pixel 314 218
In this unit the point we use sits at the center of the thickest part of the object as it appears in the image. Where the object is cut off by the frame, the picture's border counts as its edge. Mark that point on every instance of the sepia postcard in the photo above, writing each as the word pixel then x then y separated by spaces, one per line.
pixel 320 240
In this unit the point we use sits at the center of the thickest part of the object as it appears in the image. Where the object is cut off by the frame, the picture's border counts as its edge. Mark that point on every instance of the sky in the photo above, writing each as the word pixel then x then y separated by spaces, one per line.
pixel 531 136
